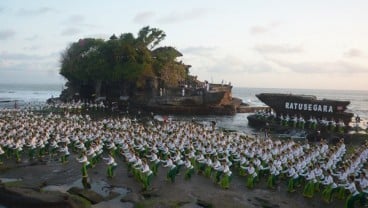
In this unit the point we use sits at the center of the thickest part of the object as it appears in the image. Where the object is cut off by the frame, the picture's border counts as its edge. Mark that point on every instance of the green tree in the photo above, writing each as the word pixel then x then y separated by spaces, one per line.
pixel 166 65
pixel 124 62
pixel 150 37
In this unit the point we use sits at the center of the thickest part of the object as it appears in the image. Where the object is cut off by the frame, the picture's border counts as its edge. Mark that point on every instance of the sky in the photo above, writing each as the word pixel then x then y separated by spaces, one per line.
pixel 310 44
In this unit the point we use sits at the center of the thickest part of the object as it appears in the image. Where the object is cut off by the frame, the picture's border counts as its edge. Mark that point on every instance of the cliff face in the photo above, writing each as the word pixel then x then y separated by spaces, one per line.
pixel 199 99
pixel 227 98
pixel 217 99
pixel 215 95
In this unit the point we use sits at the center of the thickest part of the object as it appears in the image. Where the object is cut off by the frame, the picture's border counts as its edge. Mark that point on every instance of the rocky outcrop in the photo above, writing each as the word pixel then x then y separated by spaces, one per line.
pixel 204 204
pixel 26 197
pixel 217 101
pixel 132 197
pixel 87 194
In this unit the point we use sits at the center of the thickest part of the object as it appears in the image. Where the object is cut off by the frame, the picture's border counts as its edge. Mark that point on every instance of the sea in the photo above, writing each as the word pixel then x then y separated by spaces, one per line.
pixel 25 95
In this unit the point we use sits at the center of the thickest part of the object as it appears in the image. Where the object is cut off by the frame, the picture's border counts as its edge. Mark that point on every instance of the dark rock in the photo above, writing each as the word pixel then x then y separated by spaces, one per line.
pixel 112 195
pixel 132 197
pixel 190 205
pixel 90 195
pixel 44 184
pixel 53 100
pixel 74 190
pixel 24 197
pixel 265 203
pixel 261 200
pixel 150 193
pixel 181 203
pixel 204 204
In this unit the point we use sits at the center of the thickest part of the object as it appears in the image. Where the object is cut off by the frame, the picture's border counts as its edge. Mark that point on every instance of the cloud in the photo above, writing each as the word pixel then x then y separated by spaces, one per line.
pixel 22 62
pixel 33 47
pixel 34 12
pixel 18 56
pixel 207 58
pixel 229 63
pixel 232 64
pixel 337 67
pixel 75 19
pixel 258 67
pixel 75 25
pixel 181 16
pixel 277 49
pixel 26 73
pixel 71 31
pixel 258 29
pixel 31 38
pixel 26 68
pixel 29 67
pixel 1 10
pixel 353 53
pixel 197 50
pixel 6 34
pixel 255 30
pixel 99 35
pixel 143 17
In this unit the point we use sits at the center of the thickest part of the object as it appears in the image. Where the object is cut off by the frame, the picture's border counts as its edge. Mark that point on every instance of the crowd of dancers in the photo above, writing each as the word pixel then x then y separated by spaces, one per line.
pixel 297 121
pixel 76 106
pixel 187 147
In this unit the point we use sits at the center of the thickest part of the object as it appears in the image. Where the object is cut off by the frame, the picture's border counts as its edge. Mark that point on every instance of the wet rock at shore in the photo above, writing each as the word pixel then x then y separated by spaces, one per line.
pixel 112 195
pixel 204 204
pixel 150 193
pixel 87 194
pixel 26 197
pixel 266 203
pixel 132 197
